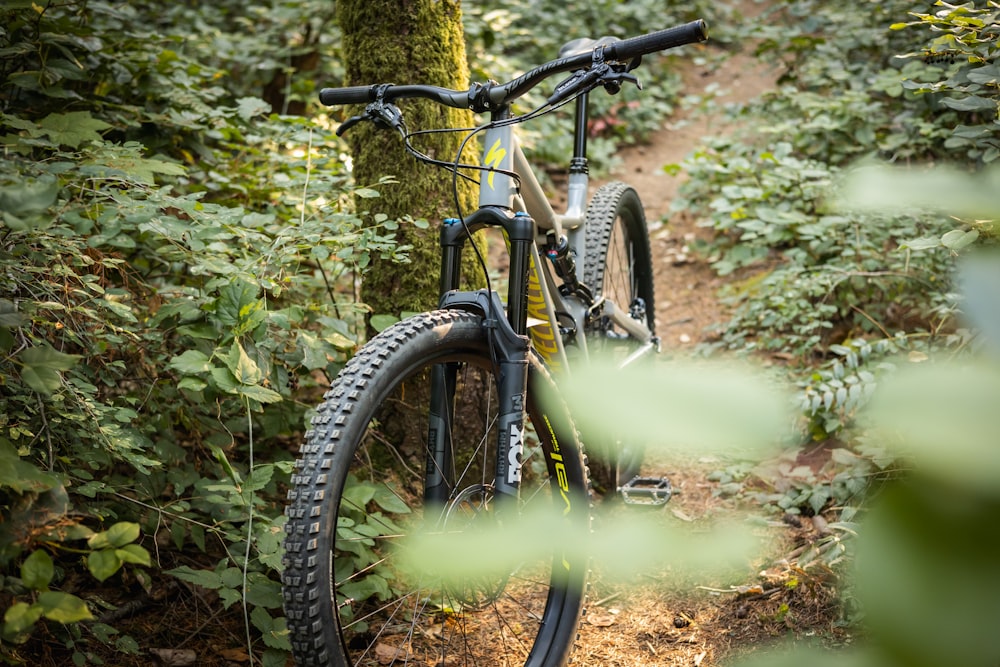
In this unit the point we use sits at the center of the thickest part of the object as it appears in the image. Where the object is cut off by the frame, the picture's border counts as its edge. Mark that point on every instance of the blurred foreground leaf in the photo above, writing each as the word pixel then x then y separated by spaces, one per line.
pixel 949 190
pixel 683 407
pixel 927 575
pixel 979 280
pixel 943 419
pixel 624 548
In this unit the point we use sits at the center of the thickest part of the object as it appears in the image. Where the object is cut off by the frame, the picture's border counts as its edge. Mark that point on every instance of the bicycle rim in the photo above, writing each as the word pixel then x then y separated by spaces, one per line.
pixel 359 490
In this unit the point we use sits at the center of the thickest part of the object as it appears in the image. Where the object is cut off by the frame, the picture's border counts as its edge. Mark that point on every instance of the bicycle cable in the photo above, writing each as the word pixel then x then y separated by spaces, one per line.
pixel 542 110
pixel 456 166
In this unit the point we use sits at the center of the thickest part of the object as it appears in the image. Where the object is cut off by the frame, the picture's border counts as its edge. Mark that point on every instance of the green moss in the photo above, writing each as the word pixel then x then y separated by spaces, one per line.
pixel 409 41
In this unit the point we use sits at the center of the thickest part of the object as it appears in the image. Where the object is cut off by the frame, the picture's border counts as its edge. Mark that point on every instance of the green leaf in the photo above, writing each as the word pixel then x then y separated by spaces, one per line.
pixel 276 657
pixel 41 366
pixel 127 645
pixel 118 535
pixel 19 618
pixel 192 384
pixel 9 316
pixel 204 578
pixel 259 477
pixel 63 607
pixel 24 205
pixel 37 570
pixel 191 361
pixel 248 107
pixel 971 103
pixel 20 475
pixel 390 501
pixel 135 554
pixel 258 393
pixel 987 75
pixel 224 380
pixel 243 368
pixel 382 322
pixel 263 592
pixel 274 631
pixel 73 129
pixel 313 350
pixel 957 239
pixel 924 243
pixel 339 341
pixel 232 577
pixel 103 563
pixel 239 307
pixel 122 310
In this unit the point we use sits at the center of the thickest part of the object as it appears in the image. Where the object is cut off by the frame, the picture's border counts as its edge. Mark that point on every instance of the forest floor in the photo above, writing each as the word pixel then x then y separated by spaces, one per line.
pixel 659 618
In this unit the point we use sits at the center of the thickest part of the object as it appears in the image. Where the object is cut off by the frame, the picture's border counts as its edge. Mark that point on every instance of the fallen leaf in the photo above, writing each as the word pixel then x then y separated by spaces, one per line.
pixel 600 619
pixel 681 515
pixel 235 654
pixel 174 657
pixel 386 654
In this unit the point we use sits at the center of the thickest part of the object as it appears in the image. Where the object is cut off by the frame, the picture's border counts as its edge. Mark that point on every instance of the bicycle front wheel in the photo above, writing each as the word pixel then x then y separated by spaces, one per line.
pixel 367 478
pixel 618 267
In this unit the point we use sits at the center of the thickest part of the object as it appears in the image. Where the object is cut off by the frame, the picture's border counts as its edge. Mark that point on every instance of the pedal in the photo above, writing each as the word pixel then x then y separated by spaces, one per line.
pixel 646 491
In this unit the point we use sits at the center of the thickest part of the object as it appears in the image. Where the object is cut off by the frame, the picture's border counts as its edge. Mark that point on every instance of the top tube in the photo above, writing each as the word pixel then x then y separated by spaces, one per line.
pixel 492 96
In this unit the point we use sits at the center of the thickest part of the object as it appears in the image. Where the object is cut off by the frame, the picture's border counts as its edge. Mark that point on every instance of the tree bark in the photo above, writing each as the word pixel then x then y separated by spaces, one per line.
pixel 404 42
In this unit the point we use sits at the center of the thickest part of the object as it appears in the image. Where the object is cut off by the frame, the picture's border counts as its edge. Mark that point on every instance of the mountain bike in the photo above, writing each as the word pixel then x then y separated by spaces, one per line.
pixel 449 421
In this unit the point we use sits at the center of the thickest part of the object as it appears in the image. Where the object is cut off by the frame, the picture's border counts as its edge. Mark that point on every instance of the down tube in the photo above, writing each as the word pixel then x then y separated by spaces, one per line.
pixel 543 328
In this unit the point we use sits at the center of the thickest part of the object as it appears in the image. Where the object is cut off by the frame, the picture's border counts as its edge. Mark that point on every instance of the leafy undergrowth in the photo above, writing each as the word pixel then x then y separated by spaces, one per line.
pixel 869 289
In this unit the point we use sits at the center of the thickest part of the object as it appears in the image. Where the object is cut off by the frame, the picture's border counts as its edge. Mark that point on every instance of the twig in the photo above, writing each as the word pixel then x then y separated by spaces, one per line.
pixel 872 320
pixel 607 599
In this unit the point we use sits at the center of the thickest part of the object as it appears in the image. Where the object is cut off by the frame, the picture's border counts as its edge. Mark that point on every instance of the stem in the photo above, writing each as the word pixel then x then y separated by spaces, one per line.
pixel 246 556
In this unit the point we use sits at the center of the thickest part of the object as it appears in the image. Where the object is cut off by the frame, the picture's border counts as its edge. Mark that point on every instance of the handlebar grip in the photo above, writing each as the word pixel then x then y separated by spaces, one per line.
pixel 689 33
pixel 351 95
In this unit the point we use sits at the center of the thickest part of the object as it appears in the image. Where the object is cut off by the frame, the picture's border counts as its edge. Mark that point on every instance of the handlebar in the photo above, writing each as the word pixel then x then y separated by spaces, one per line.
pixel 492 96
pixel 689 33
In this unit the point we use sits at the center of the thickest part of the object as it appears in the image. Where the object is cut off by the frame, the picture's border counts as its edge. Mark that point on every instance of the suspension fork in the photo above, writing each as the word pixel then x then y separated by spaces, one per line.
pixel 510 349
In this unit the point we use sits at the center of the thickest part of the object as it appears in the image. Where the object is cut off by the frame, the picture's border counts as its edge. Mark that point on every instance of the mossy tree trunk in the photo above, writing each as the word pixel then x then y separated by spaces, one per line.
pixel 403 42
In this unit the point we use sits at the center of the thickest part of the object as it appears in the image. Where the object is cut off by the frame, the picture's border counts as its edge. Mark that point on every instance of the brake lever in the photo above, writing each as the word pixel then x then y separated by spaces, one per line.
pixel 349 123
pixel 580 82
pixel 612 81
pixel 385 116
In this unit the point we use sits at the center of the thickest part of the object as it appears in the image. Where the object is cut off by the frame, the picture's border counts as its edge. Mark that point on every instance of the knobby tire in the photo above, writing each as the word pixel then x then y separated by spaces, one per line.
pixel 358 487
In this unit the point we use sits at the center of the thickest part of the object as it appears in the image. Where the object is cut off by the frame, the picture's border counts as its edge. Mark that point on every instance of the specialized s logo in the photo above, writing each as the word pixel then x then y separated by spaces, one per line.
pixel 494 158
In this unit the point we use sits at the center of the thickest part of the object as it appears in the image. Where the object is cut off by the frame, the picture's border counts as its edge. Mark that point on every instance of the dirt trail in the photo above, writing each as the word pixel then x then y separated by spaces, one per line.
pixel 685 285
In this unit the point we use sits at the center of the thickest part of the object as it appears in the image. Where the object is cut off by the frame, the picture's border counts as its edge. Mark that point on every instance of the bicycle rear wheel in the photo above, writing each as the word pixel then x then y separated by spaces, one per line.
pixel 359 490
pixel 618 267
